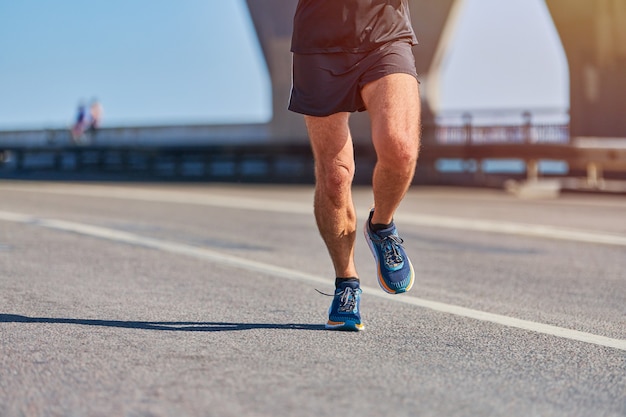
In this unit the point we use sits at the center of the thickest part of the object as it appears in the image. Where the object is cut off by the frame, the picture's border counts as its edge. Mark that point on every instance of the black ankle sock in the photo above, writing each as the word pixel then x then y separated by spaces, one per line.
pixel 378 226
pixel 339 280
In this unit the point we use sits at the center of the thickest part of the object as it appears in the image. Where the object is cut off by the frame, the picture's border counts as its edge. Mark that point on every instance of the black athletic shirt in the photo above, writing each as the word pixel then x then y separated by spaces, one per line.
pixel 326 26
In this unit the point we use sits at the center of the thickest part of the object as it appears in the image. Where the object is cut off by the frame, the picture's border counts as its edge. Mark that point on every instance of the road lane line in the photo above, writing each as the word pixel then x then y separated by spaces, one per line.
pixel 277 271
pixel 512 228
pixel 280 206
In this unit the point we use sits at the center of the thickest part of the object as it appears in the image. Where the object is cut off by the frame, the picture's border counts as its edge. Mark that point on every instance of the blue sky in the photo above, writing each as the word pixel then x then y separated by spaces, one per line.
pixel 161 62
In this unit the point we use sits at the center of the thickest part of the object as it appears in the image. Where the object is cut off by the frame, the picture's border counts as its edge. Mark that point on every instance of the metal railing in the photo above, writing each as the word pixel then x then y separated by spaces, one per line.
pixel 293 163
pixel 469 134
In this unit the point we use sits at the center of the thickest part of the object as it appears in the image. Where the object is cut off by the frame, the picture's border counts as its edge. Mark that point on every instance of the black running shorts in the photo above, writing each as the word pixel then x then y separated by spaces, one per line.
pixel 325 84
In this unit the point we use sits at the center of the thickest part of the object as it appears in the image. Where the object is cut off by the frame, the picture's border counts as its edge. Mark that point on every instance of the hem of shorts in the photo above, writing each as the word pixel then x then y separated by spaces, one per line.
pixel 399 71
pixel 361 109
pixel 322 114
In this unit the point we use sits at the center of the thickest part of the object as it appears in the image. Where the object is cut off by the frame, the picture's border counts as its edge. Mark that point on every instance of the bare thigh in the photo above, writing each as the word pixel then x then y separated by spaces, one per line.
pixel 393 103
pixel 331 142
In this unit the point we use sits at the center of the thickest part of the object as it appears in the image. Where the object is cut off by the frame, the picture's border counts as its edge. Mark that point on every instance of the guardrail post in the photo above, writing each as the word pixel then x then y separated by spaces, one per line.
pixel 124 160
pixel 79 160
pixel 467 123
pixel 151 163
pixel 528 118
pixel 178 165
pixel 532 170
pixel 58 160
pixel 19 160
pixel 594 174
pixel 102 156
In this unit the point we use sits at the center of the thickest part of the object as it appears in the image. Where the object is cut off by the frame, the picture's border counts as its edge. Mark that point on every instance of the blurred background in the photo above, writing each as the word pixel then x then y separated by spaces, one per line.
pixel 197 61
pixel 199 73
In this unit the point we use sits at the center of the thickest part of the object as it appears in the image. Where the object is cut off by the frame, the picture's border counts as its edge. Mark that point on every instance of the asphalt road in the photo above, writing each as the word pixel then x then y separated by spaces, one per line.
pixel 199 300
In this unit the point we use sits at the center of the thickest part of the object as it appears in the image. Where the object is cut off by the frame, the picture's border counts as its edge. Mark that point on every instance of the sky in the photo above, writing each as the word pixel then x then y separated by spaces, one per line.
pixel 166 62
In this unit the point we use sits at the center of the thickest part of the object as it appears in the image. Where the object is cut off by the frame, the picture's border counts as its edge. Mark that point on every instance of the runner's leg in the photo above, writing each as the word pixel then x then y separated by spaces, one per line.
pixel 334 171
pixel 394 106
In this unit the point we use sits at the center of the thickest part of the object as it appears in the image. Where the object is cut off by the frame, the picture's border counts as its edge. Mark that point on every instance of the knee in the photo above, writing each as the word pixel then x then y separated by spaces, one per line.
pixel 334 179
pixel 399 153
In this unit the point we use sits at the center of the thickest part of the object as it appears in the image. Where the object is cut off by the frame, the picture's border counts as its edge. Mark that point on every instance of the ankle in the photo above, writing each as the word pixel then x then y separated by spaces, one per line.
pixel 375 227
pixel 343 280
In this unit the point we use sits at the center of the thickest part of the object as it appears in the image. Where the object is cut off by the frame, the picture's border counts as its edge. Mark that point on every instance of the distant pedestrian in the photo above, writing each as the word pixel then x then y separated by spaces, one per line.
pixel 95 118
pixel 80 123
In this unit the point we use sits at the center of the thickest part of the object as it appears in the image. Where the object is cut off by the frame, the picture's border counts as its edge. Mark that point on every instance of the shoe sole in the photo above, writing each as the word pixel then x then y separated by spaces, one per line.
pixel 379 274
pixel 349 326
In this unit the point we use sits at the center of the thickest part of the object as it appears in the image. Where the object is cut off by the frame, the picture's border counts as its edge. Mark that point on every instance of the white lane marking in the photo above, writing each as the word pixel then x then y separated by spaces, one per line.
pixel 512 228
pixel 277 271
pixel 171 196
pixel 281 206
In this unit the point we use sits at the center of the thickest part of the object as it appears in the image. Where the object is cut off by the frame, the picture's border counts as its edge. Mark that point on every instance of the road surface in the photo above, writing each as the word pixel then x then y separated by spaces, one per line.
pixel 199 300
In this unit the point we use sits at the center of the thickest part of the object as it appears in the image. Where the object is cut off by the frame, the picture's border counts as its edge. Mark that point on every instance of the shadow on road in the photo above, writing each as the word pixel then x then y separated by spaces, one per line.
pixel 174 326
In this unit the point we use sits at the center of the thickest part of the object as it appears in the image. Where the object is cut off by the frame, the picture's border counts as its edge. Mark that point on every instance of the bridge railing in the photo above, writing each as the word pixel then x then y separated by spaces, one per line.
pixel 249 163
pixel 293 163
pixel 469 134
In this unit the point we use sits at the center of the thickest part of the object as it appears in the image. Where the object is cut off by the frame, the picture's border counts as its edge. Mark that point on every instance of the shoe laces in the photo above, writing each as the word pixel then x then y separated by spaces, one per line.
pixel 390 245
pixel 347 301
pixel 347 298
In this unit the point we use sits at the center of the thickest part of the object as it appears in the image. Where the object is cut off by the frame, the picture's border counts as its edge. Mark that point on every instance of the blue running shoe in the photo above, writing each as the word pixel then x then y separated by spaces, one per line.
pixel 395 271
pixel 344 313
